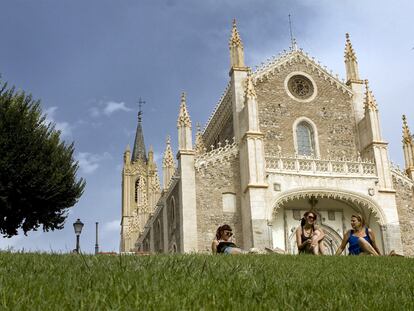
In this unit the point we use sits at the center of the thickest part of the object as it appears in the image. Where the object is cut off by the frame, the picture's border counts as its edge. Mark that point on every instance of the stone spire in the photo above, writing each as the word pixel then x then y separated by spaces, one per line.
pixel 168 164
pixel 407 138
pixel 153 182
pixel 236 48
pixel 408 148
pixel 370 102
pixel 127 155
pixel 151 163
pixel 139 152
pixel 372 115
pixel 200 148
pixel 184 126
pixel 351 63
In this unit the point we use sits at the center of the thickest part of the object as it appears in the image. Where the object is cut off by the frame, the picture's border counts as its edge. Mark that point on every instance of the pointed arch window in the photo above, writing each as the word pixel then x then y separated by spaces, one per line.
pixel 305 139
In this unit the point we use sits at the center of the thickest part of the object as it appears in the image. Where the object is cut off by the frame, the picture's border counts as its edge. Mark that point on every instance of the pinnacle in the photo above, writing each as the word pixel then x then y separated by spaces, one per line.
pixel 183 117
pixel 235 40
pixel 349 50
pixel 370 102
pixel 168 159
pixel 406 131
pixel 199 143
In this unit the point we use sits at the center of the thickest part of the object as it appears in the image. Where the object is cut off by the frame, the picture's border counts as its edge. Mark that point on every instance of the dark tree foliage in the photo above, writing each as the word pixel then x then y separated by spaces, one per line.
pixel 37 170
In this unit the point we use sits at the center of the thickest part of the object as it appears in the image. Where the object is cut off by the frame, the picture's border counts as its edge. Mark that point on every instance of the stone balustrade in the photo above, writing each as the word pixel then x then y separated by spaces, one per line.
pixel 216 155
pixel 303 165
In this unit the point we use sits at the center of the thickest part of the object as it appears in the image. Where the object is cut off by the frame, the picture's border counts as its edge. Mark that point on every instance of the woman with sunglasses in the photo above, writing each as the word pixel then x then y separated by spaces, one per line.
pixel 360 238
pixel 309 237
pixel 222 243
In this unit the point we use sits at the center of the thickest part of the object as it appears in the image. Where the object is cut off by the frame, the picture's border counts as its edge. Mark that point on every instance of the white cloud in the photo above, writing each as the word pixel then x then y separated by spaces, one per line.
pixel 111 107
pixel 64 127
pixel 108 108
pixel 89 162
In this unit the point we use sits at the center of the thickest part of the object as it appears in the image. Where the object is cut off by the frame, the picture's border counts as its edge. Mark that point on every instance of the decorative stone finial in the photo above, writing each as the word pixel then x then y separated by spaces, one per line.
pixel 235 40
pixel 183 117
pixel 351 63
pixel 407 138
pixel 349 50
pixel 370 102
pixel 236 48
pixel 168 159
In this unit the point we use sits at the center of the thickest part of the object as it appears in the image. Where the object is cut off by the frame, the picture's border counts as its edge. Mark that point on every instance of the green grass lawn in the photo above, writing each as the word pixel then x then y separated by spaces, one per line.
pixel 204 282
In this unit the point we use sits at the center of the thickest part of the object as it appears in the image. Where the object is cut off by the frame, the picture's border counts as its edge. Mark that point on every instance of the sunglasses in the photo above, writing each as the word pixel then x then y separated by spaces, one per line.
pixel 228 233
pixel 311 217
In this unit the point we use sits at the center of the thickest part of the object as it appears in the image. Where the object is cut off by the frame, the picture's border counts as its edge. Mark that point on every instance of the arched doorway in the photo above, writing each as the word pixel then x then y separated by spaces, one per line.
pixel 334 210
pixel 331 241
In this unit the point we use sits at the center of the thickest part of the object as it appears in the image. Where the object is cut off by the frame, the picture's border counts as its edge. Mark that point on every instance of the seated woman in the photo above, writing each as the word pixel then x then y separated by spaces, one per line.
pixel 309 237
pixel 222 243
pixel 361 239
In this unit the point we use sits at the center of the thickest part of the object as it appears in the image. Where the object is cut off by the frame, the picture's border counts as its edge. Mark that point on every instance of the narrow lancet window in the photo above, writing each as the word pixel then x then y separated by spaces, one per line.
pixel 305 139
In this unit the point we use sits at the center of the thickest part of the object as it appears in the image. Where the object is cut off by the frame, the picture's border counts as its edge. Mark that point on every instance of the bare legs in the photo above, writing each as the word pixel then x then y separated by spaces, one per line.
pixel 317 247
pixel 367 248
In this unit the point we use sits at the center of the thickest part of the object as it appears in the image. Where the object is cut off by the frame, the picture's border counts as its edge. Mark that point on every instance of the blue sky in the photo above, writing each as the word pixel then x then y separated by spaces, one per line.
pixel 90 61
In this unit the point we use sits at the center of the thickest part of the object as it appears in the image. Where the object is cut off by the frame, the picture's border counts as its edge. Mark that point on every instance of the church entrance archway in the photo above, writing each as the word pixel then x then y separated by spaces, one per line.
pixel 334 213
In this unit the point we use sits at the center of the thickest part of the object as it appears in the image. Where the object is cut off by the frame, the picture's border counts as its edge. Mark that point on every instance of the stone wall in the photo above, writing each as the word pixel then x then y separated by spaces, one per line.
pixel 173 220
pixel 405 206
pixel 158 232
pixel 331 111
pixel 211 183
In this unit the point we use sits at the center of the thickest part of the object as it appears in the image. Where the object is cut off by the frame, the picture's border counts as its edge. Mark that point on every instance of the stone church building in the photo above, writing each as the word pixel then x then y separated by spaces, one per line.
pixel 283 139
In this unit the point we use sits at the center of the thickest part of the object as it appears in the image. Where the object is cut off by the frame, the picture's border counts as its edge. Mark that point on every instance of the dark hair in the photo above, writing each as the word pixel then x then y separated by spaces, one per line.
pixel 360 219
pixel 220 230
pixel 303 220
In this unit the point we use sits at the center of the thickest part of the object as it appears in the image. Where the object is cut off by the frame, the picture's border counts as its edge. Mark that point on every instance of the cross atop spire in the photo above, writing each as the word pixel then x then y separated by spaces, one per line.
pixel 293 43
pixel 140 103
pixel 139 151
pixel 370 102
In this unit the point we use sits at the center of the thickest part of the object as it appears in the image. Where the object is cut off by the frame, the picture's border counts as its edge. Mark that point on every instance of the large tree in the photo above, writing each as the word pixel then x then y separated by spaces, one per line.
pixel 38 180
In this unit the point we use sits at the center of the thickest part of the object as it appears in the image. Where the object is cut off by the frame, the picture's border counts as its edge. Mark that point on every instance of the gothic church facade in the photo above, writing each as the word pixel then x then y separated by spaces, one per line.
pixel 284 139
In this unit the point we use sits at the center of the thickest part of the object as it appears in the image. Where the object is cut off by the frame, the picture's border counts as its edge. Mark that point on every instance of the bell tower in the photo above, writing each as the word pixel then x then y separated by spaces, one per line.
pixel 140 189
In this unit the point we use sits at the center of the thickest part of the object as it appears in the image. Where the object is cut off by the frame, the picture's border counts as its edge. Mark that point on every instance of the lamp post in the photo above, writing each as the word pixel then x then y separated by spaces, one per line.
pixel 77 225
pixel 96 244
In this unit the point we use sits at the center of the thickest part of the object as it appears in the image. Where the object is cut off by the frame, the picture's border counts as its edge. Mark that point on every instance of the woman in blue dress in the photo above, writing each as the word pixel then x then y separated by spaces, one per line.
pixel 360 238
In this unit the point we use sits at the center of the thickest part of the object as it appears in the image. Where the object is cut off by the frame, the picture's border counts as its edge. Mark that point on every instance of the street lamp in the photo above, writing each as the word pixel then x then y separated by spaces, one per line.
pixel 77 225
